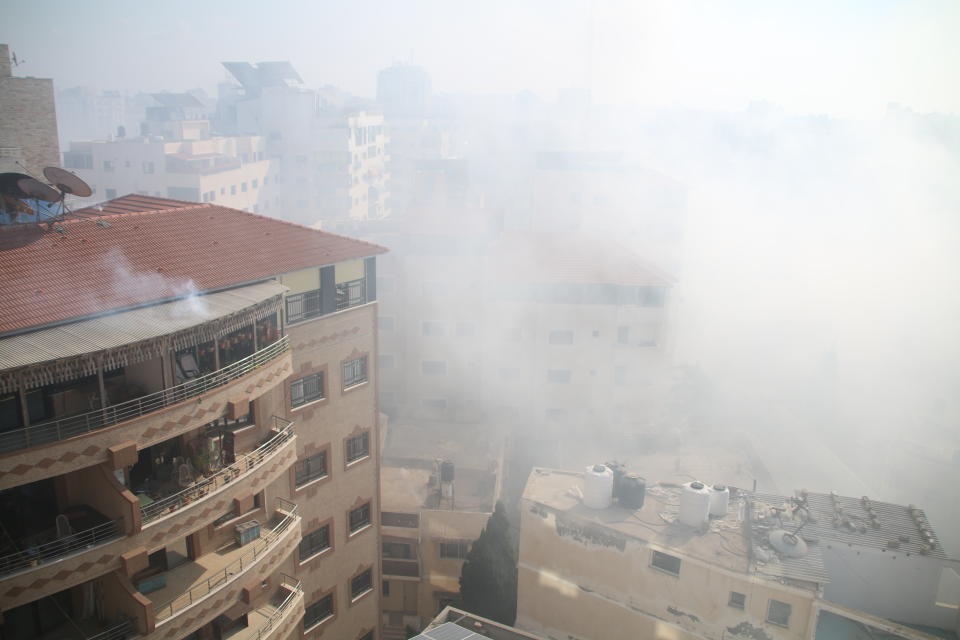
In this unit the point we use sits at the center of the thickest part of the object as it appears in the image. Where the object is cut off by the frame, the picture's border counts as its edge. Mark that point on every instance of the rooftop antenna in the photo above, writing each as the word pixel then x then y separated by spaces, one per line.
pixel 14 61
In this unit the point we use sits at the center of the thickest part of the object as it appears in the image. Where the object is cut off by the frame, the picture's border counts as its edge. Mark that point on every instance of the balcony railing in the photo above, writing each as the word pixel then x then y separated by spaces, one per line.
pixel 260 547
pixel 116 632
pixel 276 617
pixel 44 553
pixel 57 430
pixel 406 568
pixel 245 462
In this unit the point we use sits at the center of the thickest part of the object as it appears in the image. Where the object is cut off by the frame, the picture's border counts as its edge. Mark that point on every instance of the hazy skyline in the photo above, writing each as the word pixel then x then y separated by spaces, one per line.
pixel 846 59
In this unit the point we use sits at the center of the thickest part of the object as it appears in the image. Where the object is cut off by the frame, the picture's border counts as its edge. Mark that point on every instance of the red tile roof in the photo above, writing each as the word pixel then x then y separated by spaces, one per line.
pixel 571 258
pixel 153 249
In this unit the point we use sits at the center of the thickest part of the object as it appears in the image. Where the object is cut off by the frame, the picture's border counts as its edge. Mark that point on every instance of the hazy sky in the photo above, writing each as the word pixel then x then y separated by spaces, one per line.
pixel 845 58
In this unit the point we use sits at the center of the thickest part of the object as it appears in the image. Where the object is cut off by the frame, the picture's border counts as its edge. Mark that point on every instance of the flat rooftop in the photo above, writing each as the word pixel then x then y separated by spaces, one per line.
pixel 408 489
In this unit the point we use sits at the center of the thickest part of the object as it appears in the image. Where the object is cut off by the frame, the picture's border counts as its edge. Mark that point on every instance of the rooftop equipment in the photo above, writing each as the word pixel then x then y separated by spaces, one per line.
pixel 598 487
pixel 694 505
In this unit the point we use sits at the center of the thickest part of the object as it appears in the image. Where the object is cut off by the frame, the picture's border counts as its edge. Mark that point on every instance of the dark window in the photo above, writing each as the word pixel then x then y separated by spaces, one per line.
pixel 354 371
pixel 561 337
pixel 457 550
pixel 318 611
pixel 397 550
pixel 358 447
pixel 406 520
pixel 665 562
pixel 315 542
pixel 301 306
pixel 361 584
pixel 307 389
pixel 311 468
pixel 385 589
pixel 359 517
pixel 737 600
pixel 559 376
pixel 778 613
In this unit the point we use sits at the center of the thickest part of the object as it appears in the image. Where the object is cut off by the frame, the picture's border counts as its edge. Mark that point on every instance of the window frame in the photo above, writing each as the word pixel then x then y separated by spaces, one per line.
pixel 313 476
pixel 463 548
pixel 362 375
pixel 349 456
pixel 321 393
pixel 656 562
pixel 361 526
pixel 364 589
pixel 769 617
pixel 318 621
pixel 314 551
pixel 739 602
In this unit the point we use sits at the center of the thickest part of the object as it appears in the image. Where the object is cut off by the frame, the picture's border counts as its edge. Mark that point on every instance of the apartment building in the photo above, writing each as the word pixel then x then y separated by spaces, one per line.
pixel 439 485
pixel 176 157
pixel 28 121
pixel 189 440
pixel 666 560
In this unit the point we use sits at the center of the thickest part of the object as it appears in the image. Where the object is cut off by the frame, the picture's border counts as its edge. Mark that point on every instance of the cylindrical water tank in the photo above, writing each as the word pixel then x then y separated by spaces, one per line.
pixel 598 487
pixel 694 504
pixel 719 500
pixel 633 489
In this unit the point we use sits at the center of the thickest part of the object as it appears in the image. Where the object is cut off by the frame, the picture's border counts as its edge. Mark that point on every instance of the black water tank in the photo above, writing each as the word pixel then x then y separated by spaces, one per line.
pixel 633 490
pixel 446 471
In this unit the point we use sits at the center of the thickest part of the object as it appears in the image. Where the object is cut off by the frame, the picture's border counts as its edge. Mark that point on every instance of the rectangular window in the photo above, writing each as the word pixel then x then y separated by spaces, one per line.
pixel 315 542
pixel 361 584
pixel 301 306
pixel 405 520
pixel 558 376
pixel 778 613
pixel 318 611
pixel 354 372
pixel 254 183
pixel 397 550
pixel 307 389
pixel 433 367
pixel 311 468
pixel 561 337
pixel 737 600
pixel 456 550
pixel 385 589
pixel 432 329
pixel 667 563
pixel 243 187
pixel 359 517
pixel 358 447
pixel 233 189
pixel 623 335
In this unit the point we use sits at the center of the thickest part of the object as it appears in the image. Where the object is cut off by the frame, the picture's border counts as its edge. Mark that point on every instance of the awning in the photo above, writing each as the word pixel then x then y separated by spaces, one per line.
pixel 75 350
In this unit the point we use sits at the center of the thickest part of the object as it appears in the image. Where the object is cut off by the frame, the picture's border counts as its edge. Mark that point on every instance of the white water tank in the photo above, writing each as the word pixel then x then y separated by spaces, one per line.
pixel 694 504
pixel 598 487
pixel 719 500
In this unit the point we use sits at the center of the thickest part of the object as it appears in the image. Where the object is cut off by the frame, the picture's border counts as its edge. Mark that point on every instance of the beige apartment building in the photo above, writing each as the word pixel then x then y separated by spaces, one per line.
pixel 28 121
pixel 188 428
pixel 439 485
pixel 673 561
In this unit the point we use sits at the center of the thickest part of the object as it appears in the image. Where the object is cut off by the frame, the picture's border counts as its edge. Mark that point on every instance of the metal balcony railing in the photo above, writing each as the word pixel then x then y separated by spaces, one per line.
pixel 71 426
pixel 116 632
pixel 44 553
pixel 276 617
pixel 260 547
pixel 245 463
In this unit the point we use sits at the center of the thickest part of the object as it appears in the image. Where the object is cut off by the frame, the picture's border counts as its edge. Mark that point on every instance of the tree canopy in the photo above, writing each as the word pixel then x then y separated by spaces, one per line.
pixel 488 580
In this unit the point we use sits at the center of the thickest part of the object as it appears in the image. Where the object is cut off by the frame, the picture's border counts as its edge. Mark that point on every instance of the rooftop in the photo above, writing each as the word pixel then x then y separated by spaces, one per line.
pixel 139 250
pixel 456 624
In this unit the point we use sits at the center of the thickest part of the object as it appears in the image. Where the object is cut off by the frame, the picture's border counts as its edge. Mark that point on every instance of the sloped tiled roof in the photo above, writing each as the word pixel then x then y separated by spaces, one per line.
pixel 155 249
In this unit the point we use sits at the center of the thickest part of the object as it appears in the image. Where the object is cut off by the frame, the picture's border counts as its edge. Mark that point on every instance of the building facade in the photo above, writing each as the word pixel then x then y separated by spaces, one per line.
pixel 189 442
pixel 28 121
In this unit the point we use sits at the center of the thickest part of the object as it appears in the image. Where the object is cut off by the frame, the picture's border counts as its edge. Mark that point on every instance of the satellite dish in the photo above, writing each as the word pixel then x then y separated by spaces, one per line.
pixel 37 190
pixel 9 186
pixel 788 544
pixel 67 182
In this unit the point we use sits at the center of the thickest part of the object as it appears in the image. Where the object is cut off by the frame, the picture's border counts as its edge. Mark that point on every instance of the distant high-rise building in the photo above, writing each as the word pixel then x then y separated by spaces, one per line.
pixel 28 121
pixel 404 91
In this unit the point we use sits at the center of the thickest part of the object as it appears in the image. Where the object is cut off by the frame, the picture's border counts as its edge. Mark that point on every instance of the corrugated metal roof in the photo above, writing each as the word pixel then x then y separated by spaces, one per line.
pixel 449 631
pixel 127 327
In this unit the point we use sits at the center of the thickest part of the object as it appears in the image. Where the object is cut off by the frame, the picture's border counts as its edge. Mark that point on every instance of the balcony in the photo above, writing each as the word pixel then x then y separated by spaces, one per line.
pixel 34 553
pixel 153 509
pixel 401 568
pixel 276 618
pixel 194 582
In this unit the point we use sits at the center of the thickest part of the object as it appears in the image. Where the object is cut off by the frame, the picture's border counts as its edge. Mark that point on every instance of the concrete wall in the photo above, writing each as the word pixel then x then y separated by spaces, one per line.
pixel 28 122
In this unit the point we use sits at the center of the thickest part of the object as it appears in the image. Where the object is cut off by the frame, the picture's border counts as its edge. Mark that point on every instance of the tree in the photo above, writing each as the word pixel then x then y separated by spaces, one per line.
pixel 488 580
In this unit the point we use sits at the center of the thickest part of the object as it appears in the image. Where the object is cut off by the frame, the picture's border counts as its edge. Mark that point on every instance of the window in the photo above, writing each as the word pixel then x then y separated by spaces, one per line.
pixel 111 194
pixel 359 517
pixel 311 468
pixel 243 187
pixel 254 184
pixel 397 550
pixel 301 306
pixel 623 335
pixel 223 191
pixel 358 447
pixel 108 165
pixel 737 600
pixel 385 361
pixel 406 520
pixel 432 329
pixel 307 389
pixel 318 611
pixel 778 613
pixel 354 372
pixel 385 323
pixel 653 296
pixel 148 167
pixel 361 584
pixel 456 550
pixel 314 542
pixel 233 189
pixel 667 563
pixel 561 337
pixel 385 589
pixel 433 367
pixel 558 376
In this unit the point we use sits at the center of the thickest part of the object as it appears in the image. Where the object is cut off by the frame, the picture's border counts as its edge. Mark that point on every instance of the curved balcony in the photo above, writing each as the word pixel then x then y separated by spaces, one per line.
pixel 67 444
pixel 223 574
pixel 230 476
pixel 278 617
pixel 41 554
